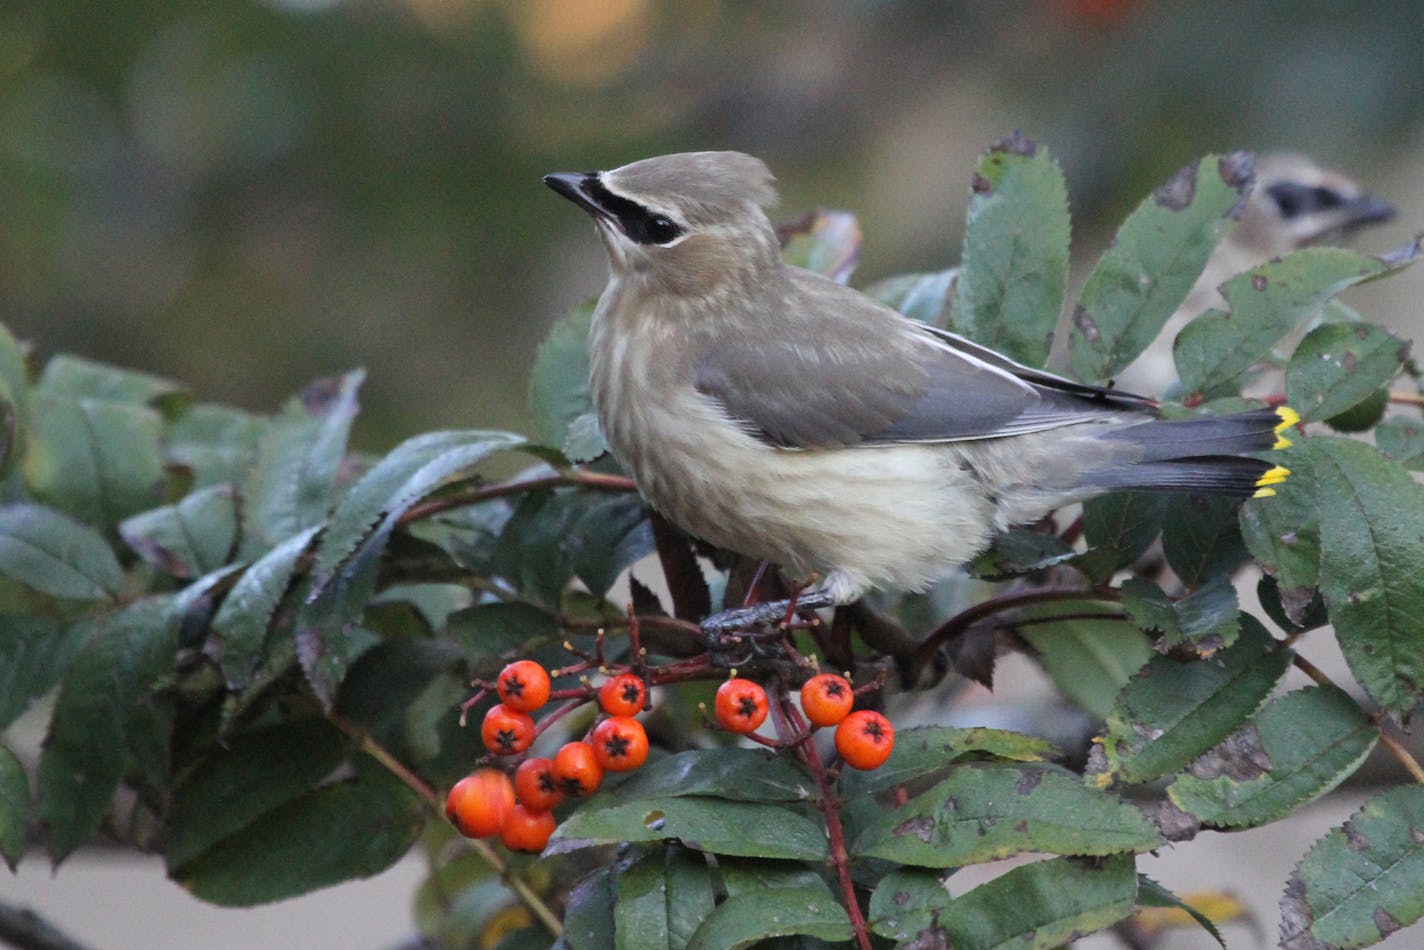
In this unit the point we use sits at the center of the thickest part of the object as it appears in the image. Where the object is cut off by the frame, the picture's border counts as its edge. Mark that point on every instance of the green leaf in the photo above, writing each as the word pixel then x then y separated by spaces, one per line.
pixel 1152 894
pixel 387 682
pixel 14 808
pixel 413 470
pixel 1089 660
pixel 1014 270
pixel 1156 257
pixel 588 922
pixel 922 297
pixel 1339 365
pixel 55 555
pixel 1298 748
pixel 827 242
pixel 110 715
pixel 640 914
pixel 1205 619
pixel 33 651
pixel 747 829
pixel 612 533
pixel 293 483
pixel 455 901
pixel 688 893
pixel 1173 711
pixel 988 810
pixel 193 537
pixel 585 441
pixel 906 903
pixel 217 444
pixel 496 629
pixel 99 461
pixel 558 381
pixel 329 634
pixel 1283 532
pixel 1020 551
pixel 924 751
pixel 1291 608
pixel 1402 439
pixel 1361 882
pixel 237 784
pixel 746 775
pixel 1119 528
pixel 1267 302
pixel 1201 537
pixel 749 918
pixel 240 627
pixel 557 534
pixel 77 378
pixel 1041 905
pixel 308 843
pixel 1372 568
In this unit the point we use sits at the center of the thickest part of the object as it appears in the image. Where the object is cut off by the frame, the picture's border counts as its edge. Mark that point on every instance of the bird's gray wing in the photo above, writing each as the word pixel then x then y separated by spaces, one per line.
pixel 850 372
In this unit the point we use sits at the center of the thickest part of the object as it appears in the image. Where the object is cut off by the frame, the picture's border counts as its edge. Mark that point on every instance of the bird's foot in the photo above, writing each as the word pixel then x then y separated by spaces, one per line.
pixel 734 637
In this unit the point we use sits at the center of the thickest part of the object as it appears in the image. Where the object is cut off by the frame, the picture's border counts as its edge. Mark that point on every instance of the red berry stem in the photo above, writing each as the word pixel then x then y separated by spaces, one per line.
pixel 568 707
pixel 831 812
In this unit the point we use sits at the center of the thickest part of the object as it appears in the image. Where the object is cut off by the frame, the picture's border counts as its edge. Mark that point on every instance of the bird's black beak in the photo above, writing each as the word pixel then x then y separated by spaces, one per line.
pixel 1367 209
pixel 575 187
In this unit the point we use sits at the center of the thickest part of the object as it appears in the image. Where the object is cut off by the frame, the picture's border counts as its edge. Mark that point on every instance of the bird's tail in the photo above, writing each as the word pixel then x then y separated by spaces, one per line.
pixel 1211 455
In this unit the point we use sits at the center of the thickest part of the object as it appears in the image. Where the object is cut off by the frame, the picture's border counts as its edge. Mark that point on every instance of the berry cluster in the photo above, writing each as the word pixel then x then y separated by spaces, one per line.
pixel 487 803
pixel 864 739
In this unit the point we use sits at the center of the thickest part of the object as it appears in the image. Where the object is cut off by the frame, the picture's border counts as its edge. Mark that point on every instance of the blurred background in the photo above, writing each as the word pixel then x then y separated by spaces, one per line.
pixel 245 194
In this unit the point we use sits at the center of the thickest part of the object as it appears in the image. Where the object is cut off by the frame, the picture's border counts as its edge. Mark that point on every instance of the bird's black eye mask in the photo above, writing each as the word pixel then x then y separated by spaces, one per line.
pixel 641 225
pixel 1294 199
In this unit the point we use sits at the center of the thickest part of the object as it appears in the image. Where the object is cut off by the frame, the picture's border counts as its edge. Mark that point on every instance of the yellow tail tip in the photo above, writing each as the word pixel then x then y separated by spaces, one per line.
pixel 1289 420
pixel 1272 476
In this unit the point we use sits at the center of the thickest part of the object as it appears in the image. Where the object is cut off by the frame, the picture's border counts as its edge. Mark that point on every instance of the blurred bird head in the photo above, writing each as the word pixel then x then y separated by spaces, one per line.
pixel 1297 203
pixel 692 224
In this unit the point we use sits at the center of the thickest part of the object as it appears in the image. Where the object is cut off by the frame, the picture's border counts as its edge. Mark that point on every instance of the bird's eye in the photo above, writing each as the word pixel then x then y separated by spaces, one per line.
pixel 1290 198
pixel 660 230
pixel 1326 198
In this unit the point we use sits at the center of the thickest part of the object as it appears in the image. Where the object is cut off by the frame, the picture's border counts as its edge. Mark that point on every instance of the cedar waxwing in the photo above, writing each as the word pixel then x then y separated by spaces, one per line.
pixel 1294 204
pixel 776 413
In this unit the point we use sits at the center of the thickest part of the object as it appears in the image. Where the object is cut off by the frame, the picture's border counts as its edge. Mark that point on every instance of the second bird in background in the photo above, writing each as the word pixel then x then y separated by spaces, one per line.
pixel 1295 203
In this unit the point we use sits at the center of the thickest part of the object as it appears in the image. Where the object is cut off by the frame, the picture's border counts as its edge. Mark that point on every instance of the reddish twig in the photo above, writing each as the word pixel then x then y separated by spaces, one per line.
pixel 573 477
pixel 830 811
pixel 1391 744
pixel 966 618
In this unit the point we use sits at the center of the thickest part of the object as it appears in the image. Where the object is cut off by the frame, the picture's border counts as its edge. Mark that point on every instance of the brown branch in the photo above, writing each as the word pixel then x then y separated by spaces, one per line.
pixel 24 928
pixel 431 798
pixel 830 811
pixel 572 477
pixel 966 618
pixel 1395 747
pixel 1406 399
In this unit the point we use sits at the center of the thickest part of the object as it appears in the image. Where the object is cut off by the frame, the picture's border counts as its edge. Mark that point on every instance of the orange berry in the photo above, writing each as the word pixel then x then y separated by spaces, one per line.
pixel 534 784
pixel 523 686
pixel 624 695
pixel 527 829
pixel 864 739
pixel 576 769
pixel 505 731
pixel 826 699
pixel 620 744
pixel 480 803
pixel 741 705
